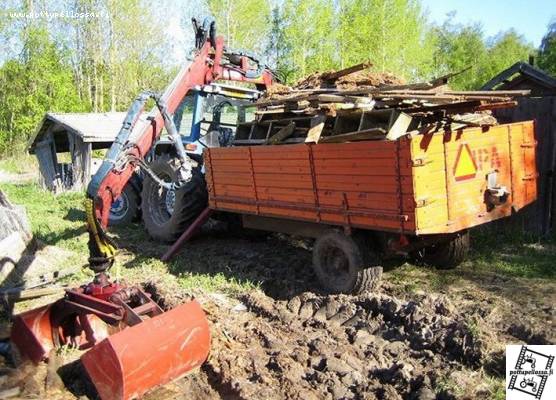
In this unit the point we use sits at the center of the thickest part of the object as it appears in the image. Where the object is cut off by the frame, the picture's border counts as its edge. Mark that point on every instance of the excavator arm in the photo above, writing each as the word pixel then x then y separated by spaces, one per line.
pixel 137 136
pixel 131 344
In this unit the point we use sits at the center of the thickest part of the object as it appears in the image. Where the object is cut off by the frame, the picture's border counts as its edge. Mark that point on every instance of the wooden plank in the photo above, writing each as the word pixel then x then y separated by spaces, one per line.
pixel 313 135
pixel 367 134
pixel 21 294
pixel 399 126
pixel 331 76
pixel 282 134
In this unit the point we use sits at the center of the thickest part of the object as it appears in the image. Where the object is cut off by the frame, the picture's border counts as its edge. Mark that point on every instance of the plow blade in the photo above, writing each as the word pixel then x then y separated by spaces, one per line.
pixel 156 351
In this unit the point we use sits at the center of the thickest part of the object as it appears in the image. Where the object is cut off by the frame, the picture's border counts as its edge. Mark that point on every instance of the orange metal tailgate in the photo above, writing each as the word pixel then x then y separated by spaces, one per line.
pixel 451 184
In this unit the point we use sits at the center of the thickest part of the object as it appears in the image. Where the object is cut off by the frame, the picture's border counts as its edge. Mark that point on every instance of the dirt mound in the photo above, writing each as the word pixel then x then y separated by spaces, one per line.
pixel 320 80
pixel 352 81
pixel 287 340
pixel 277 89
pixel 368 78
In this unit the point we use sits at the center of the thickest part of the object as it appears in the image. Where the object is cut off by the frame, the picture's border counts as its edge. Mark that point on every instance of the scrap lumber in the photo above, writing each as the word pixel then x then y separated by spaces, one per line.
pixel 282 134
pixel 443 80
pixel 497 106
pixel 365 112
pixel 399 125
pixel 20 294
pixel 317 125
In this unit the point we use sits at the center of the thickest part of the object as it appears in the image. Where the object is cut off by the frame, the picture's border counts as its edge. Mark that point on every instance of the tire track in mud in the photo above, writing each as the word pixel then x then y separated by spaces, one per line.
pixel 314 347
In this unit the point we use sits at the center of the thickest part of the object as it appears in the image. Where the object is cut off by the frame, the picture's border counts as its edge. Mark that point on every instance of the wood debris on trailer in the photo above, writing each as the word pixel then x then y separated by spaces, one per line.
pixel 354 105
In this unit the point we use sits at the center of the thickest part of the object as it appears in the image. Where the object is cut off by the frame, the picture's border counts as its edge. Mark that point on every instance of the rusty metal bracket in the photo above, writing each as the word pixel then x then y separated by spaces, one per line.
pixel 345 206
pixel 420 162
pixel 423 202
pixel 252 169
pixel 201 219
pixel 314 181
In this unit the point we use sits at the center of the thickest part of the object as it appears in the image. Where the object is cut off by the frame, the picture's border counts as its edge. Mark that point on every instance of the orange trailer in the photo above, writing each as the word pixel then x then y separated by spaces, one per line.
pixel 416 195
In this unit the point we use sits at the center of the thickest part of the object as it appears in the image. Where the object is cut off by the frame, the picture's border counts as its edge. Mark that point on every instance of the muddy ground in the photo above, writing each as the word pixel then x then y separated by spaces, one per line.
pixel 289 340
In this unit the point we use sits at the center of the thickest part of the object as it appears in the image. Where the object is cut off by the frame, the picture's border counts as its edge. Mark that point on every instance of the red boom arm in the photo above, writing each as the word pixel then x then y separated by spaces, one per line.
pixel 207 67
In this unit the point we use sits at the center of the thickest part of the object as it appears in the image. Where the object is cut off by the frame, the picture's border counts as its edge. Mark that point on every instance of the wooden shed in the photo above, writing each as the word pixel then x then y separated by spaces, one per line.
pixel 541 107
pixel 76 135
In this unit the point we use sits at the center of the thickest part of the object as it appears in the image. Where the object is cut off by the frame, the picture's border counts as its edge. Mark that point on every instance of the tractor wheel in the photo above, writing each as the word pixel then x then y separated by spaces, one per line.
pixel 126 207
pixel 346 264
pixel 449 254
pixel 167 214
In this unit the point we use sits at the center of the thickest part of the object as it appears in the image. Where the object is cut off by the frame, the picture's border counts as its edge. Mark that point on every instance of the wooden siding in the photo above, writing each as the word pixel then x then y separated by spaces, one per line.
pixel 540 217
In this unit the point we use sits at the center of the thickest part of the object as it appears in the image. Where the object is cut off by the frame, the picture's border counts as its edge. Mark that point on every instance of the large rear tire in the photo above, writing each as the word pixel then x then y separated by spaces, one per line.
pixel 346 264
pixel 167 214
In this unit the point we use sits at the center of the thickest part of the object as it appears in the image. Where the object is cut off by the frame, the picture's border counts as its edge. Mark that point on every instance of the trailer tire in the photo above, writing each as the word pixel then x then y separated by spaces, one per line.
pixel 165 219
pixel 346 264
pixel 449 254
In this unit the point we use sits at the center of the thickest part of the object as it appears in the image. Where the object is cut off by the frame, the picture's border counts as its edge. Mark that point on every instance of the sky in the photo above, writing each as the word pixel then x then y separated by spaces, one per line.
pixel 529 17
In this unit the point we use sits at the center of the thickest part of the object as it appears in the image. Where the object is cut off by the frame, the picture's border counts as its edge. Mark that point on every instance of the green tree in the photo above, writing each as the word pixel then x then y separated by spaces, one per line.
pixel 504 50
pixel 463 46
pixel 457 48
pixel 393 34
pixel 37 82
pixel 309 37
pixel 243 23
pixel 118 53
pixel 279 48
pixel 316 35
pixel 547 50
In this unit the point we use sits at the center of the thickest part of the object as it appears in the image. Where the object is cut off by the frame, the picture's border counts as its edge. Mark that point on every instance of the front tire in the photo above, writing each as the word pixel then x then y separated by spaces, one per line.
pixel 346 264
pixel 126 207
pixel 167 214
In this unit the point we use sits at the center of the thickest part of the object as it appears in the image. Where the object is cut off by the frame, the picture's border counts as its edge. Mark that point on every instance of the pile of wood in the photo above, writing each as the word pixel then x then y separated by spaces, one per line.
pixel 328 113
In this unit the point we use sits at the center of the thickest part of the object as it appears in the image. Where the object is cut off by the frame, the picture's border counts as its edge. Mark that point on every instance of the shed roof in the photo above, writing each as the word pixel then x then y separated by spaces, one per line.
pixel 90 127
pixel 522 71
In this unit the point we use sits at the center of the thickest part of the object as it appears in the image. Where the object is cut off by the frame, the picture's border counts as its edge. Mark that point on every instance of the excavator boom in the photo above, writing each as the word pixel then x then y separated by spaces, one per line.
pixel 133 345
pixel 207 67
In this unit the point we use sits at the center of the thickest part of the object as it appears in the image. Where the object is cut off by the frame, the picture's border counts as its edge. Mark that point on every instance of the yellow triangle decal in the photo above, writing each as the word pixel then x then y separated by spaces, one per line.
pixel 465 167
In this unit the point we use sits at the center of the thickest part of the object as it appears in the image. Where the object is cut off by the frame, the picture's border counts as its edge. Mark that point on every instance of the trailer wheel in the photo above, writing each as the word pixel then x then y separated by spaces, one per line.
pixel 346 264
pixel 167 214
pixel 449 254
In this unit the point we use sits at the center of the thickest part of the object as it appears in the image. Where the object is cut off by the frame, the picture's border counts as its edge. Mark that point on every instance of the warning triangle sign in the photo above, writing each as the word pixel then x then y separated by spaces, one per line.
pixel 465 167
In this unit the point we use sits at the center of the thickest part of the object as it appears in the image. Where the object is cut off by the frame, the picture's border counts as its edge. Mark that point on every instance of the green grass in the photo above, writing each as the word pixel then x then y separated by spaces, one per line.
pixel 55 220
pixel 19 165
pixel 60 221
pixel 513 254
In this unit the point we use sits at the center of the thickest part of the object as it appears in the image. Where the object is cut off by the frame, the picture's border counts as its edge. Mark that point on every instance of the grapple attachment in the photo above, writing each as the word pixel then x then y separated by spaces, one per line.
pixel 154 352
pixel 133 345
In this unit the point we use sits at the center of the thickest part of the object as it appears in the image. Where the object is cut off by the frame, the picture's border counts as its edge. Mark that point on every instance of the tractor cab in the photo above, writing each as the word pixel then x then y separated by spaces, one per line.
pixel 208 116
